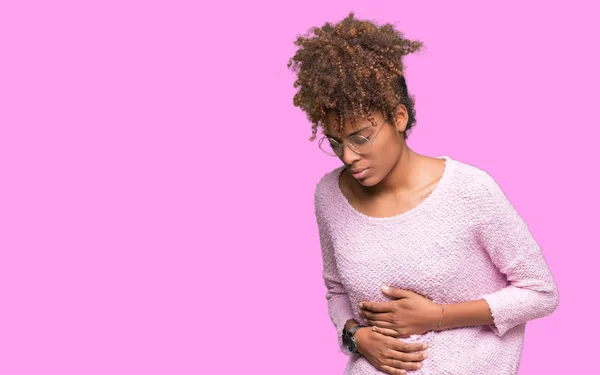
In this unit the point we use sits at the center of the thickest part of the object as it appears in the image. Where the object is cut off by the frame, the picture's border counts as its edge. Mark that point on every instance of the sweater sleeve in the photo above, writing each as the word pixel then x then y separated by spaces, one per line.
pixel 338 302
pixel 532 292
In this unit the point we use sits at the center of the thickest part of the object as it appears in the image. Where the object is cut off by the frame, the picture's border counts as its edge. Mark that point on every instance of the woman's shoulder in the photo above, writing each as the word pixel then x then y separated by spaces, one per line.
pixel 326 187
pixel 473 181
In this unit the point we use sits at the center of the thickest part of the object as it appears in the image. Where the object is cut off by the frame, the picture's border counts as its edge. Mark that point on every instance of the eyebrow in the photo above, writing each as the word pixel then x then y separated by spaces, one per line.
pixel 356 132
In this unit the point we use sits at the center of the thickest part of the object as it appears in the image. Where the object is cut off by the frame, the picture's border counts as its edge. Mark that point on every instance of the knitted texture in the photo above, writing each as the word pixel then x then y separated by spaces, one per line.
pixel 464 242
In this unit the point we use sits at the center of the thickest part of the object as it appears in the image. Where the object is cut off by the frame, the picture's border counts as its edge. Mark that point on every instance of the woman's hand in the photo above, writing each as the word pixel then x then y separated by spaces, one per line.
pixel 389 354
pixel 409 314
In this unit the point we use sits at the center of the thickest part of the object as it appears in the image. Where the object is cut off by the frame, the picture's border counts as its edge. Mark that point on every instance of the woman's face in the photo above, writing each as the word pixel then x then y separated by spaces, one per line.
pixel 386 146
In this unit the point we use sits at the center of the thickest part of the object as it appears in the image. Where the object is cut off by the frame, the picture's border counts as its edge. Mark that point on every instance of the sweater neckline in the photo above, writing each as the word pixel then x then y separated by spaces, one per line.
pixel 428 201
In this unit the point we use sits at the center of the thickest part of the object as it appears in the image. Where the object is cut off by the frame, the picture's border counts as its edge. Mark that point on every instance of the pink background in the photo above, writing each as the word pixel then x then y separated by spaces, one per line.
pixel 157 183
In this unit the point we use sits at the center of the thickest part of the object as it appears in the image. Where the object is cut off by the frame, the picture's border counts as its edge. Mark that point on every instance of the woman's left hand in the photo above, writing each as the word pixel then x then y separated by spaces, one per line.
pixel 409 314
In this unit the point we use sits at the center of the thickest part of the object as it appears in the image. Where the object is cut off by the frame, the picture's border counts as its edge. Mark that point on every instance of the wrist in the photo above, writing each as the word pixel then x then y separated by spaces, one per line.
pixel 350 324
pixel 359 338
pixel 437 317
pixel 441 319
pixel 349 335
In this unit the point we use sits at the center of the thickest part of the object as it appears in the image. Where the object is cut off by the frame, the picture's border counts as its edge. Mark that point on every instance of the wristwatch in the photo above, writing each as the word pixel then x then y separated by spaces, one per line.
pixel 348 338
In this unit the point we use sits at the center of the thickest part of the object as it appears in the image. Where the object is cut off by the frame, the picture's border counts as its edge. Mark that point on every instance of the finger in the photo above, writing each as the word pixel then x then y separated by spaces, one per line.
pixel 387 317
pixel 395 292
pixel 366 314
pixel 382 324
pixel 385 331
pixel 394 363
pixel 379 307
pixel 408 357
pixel 392 371
pixel 406 347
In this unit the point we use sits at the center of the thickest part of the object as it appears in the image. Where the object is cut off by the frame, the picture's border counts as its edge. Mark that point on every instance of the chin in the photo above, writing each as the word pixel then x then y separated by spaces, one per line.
pixel 369 181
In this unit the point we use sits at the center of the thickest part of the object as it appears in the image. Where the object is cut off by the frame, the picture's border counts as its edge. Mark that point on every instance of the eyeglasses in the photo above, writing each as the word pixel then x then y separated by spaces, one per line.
pixel 357 143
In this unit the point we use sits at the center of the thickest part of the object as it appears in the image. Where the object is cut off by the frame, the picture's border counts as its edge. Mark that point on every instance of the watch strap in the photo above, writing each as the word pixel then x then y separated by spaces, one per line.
pixel 354 329
pixel 350 336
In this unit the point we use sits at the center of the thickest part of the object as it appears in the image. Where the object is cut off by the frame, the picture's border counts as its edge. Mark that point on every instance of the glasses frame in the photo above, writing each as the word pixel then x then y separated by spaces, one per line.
pixel 350 144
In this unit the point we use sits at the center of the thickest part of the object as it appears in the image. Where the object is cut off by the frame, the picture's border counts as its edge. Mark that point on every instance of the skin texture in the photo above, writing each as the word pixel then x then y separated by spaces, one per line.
pixel 398 179
pixel 411 313
pixel 388 354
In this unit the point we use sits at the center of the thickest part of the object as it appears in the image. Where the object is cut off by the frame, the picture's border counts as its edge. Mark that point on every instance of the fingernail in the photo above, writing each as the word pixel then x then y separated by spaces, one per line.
pixel 425 346
pixel 419 365
pixel 385 287
pixel 360 305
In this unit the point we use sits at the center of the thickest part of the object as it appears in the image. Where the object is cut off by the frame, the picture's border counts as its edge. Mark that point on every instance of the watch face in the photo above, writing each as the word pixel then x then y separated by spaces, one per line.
pixel 351 345
pixel 348 341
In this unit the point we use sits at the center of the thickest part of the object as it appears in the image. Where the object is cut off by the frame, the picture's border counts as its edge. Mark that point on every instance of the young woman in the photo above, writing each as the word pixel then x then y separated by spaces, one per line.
pixel 428 267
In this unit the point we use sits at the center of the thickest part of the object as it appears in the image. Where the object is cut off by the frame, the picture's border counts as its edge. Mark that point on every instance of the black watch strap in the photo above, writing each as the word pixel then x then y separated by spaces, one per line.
pixel 354 329
pixel 350 338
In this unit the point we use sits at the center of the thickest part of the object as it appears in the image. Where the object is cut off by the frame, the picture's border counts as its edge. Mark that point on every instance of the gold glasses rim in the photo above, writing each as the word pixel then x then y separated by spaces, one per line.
pixel 350 144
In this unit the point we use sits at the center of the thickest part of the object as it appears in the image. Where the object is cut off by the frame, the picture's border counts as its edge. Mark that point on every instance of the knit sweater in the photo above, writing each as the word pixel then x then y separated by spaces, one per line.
pixel 464 242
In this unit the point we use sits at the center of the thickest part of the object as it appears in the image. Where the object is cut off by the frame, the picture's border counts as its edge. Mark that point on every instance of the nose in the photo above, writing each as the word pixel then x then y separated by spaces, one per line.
pixel 349 156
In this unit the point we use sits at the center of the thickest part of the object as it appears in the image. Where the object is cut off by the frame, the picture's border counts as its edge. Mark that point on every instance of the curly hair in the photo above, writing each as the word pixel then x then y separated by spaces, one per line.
pixel 352 67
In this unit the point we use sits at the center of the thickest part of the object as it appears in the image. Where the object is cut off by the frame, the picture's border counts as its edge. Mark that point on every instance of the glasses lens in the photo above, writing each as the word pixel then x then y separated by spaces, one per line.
pixel 329 146
pixel 359 144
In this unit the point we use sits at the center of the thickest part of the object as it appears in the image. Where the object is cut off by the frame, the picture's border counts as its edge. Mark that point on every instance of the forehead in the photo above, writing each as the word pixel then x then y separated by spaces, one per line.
pixel 330 126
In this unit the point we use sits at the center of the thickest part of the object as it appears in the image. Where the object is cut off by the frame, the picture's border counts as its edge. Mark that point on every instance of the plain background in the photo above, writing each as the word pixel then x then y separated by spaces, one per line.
pixel 157 183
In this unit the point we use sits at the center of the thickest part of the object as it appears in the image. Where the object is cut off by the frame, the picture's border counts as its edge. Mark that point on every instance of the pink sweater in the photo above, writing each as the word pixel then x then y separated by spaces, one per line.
pixel 464 242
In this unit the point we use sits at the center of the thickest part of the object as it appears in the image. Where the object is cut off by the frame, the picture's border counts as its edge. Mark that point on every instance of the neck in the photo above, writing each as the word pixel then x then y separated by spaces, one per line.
pixel 404 176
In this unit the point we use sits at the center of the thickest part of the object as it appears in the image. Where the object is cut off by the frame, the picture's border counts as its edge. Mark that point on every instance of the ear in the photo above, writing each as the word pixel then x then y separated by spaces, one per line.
pixel 401 116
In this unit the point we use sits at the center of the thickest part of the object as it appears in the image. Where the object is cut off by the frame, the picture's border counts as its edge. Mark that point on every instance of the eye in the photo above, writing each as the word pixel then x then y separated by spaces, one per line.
pixel 359 140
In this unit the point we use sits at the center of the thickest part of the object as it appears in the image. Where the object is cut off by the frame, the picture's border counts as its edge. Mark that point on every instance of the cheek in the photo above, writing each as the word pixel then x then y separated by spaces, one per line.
pixel 388 152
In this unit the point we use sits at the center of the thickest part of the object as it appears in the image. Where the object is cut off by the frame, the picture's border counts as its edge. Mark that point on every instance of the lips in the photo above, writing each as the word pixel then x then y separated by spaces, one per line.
pixel 359 174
